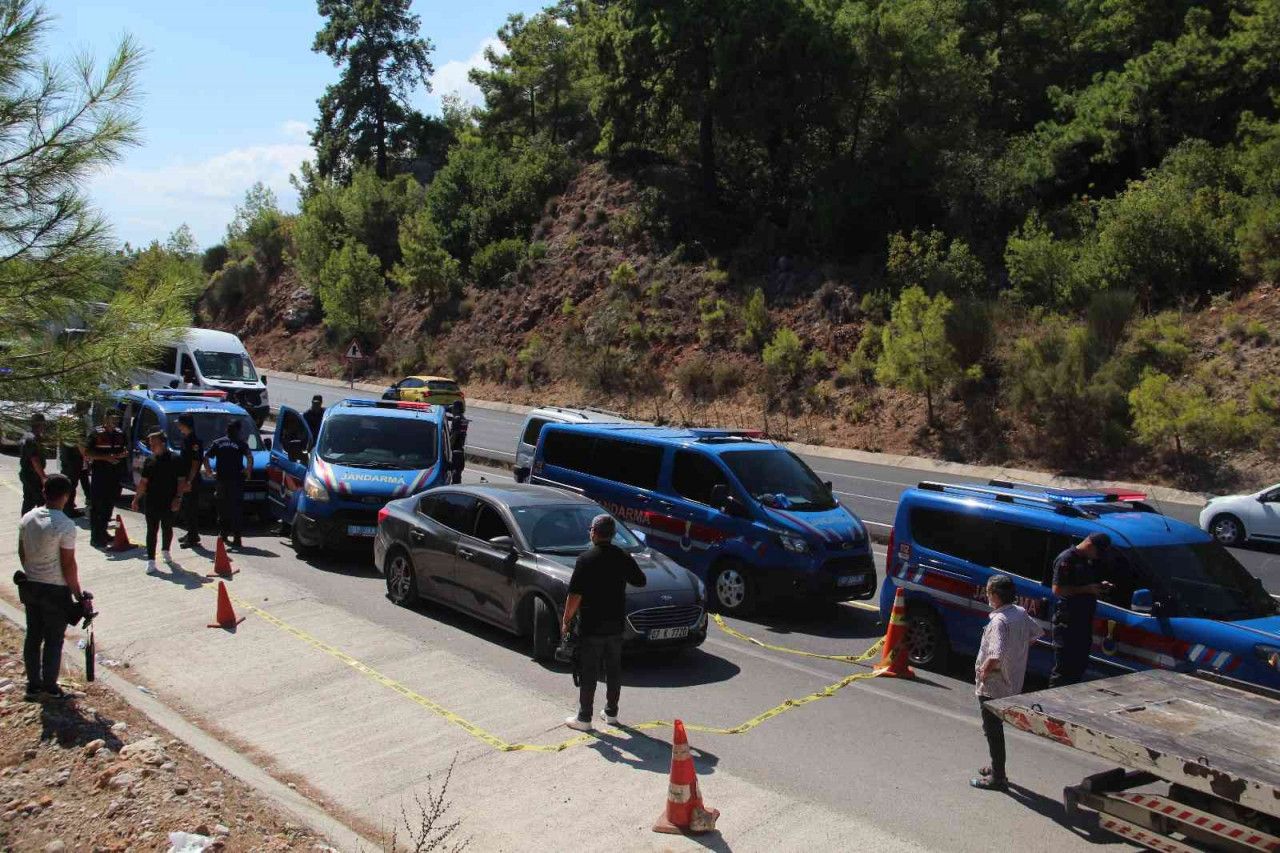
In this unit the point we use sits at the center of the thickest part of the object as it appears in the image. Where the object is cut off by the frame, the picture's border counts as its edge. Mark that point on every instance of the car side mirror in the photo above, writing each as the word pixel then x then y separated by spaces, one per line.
pixel 522 474
pixel 502 542
pixel 263 377
pixel 266 442
pixel 1142 602
pixel 831 490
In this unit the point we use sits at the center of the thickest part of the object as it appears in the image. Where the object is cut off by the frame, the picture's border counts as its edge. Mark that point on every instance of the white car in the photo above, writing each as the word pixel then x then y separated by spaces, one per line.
pixel 1236 518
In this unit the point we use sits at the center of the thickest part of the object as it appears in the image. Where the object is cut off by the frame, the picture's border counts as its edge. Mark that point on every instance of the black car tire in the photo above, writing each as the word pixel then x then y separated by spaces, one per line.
pixel 927 644
pixel 732 590
pixel 546 632
pixel 1227 530
pixel 296 541
pixel 402 584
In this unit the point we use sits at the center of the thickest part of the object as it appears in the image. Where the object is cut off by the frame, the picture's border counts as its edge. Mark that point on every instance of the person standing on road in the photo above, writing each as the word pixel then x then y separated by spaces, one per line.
pixel 105 449
pixel 191 481
pixel 598 589
pixel 31 464
pixel 999 670
pixel 71 457
pixel 313 416
pixel 158 490
pixel 226 453
pixel 1077 583
pixel 458 424
pixel 47 551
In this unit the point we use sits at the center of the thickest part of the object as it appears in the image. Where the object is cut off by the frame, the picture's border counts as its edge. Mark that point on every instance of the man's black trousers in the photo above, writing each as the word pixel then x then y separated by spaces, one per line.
pixel 47 606
pixel 1071 644
pixel 191 511
pixel 230 498
pixel 595 653
pixel 159 519
pixel 105 488
pixel 993 728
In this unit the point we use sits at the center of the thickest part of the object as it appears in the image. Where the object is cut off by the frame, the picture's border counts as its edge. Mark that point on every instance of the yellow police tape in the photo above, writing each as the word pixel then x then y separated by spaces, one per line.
pixel 506 746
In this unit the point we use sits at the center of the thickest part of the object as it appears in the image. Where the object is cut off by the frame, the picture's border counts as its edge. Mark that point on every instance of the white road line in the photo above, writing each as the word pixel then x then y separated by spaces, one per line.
pixel 868 479
pixel 866 497
pixel 876 523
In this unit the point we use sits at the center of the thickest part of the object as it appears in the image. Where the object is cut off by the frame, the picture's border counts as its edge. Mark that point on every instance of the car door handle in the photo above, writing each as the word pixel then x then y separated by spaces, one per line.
pixel 417 536
pixel 466 553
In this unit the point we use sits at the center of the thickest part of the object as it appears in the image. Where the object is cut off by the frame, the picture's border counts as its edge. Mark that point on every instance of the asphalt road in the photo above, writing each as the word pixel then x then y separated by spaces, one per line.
pixel 870 490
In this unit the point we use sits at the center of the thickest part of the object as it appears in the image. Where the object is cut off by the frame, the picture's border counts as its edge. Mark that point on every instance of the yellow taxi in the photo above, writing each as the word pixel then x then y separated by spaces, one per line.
pixel 437 390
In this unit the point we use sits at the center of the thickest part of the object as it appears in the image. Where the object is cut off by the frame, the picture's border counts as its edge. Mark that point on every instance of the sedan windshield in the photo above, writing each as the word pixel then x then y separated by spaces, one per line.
pixel 1206 581
pixel 779 480
pixel 564 528
pixel 227 366
pixel 211 425
pixel 378 442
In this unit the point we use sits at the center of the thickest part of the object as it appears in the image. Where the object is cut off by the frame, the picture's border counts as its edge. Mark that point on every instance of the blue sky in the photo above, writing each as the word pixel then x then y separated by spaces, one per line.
pixel 228 95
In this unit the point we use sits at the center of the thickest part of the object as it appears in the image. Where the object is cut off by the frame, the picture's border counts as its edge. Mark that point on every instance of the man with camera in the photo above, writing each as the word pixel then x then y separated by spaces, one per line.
pixel 47 551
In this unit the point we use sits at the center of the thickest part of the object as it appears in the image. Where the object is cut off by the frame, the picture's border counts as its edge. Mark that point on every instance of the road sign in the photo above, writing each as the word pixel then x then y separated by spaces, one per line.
pixel 353 351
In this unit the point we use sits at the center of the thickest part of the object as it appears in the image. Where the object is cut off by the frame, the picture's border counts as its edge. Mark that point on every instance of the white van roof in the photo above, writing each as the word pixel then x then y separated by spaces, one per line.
pixel 213 340
pixel 586 415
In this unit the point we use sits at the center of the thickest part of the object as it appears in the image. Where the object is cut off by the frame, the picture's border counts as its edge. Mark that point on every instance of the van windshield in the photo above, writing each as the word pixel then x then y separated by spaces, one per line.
pixel 778 479
pixel 211 425
pixel 1207 582
pixel 360 441
pixel 227 366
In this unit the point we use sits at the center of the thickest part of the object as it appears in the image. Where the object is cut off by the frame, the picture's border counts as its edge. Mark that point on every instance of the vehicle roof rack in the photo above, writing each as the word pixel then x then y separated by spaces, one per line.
pixel 407 405
pixel 711 435
pixel 184 394
pixel 1066 507
pixel 1075 495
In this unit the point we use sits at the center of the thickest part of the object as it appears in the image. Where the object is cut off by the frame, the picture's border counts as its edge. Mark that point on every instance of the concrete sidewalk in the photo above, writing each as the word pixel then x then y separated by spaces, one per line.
pixel 343 707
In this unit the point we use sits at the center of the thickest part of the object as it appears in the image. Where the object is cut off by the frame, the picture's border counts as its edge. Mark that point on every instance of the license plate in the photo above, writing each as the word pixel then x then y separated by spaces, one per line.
pixel 366 531
pixel 669 633
pixel 851 580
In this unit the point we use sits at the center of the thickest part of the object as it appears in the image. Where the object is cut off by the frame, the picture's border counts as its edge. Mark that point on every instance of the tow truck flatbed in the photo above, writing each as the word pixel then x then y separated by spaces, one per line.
pixel 1217 743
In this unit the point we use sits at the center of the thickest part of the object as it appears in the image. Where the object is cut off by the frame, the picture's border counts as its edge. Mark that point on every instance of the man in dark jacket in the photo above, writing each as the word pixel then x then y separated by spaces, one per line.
pixel 106 451
pixel 598 590
pixel 458 424
pixel 232 465
pixel 31 471
pixel 314 416
pixel 1077 582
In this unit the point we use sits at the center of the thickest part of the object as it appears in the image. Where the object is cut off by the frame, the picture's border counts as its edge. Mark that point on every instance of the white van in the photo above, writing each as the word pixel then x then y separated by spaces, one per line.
pixel 527 442
pixel 208 359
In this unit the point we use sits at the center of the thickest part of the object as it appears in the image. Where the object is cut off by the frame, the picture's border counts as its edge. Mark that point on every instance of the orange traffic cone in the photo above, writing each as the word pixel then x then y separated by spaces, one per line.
pixel 121 541
pixel 685 814
pixel 226 615
pixel 221 562
pixel 893 660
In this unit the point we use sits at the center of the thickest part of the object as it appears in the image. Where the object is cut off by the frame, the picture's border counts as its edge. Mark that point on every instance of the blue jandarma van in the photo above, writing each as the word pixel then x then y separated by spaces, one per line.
pixel 746 515
pixel 1179 600
pixel 328 488
pixel 144 412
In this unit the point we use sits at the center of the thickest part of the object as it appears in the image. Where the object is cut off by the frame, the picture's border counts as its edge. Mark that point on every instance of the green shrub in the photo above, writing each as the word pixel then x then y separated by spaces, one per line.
pixel 214 259
pixel 1166 411
pixel 1043 270
pixel 876 305
pixel 860 367
pixel 970 332
pixel 818 363
pixel 567 308
pixel 929 261
pixel 1257 332
pixel 715 277
pixel 713 319
pixel 1160 342
pixel 916 354
pixel 425 267
pixel 755 318
pixel 1264 398
pixel 783 358
pixel 623 278
pixel 1108 316
pixel 259 229
pixel 458 360
pixel 532 359
pixel 351 287
pixel 1233 325
pixel 693 378
pixel 491 266
pixel 237 282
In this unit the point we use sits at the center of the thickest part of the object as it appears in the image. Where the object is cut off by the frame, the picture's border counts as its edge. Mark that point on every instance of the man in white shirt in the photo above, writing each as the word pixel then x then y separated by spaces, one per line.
pixel 47 551
pixel 1000 668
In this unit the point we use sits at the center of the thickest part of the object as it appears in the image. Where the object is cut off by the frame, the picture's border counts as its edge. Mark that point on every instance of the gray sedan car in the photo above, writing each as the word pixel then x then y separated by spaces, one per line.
pixel 504 553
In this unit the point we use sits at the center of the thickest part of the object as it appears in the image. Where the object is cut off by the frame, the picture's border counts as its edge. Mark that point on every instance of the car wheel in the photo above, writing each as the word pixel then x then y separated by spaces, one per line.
pixel 732 592
pixel 546 633
pixel 295 540
pixel 1227 529
pixel 926 640
pixel 402 586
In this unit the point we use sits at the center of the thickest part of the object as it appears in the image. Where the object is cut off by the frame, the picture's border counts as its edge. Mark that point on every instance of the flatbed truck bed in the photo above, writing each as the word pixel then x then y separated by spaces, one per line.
pixel 1215 743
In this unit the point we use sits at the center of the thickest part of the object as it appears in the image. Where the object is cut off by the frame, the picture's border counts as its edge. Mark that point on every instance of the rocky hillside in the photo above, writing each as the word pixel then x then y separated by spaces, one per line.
pixel 604 312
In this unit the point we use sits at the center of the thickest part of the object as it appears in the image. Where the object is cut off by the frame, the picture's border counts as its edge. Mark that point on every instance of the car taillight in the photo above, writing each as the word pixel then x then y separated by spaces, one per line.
pixel 888 557
pixel 382 515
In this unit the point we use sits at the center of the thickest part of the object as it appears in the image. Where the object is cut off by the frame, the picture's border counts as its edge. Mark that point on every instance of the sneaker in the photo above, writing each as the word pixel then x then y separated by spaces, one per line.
pixel 152 568
pixel 32 694
pixel 990 783
pixel 611 719
pixel 578 725
pixel 238 545
pixel 53 693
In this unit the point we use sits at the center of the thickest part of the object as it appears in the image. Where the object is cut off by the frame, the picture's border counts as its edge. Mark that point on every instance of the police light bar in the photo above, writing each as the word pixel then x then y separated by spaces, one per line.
pixel 387 404
pixel 183 394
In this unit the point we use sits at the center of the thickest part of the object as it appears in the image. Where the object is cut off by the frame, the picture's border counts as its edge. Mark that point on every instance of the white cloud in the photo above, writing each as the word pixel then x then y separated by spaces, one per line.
pixel 296 131
pixel 451 78
pixel 147 203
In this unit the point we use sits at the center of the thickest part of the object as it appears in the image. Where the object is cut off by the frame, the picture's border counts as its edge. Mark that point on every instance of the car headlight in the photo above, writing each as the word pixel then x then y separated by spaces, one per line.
pixel 314 489
pixel 1270 655
pixel 794 544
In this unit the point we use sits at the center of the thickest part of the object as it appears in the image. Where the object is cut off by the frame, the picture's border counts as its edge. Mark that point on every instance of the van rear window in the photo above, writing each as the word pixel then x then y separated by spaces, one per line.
pixel 531 431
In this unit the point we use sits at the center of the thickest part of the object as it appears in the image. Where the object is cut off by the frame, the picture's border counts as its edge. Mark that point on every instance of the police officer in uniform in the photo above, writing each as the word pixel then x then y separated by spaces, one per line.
pixel 191 459
pixel 71 457
pixel 227 452
pixel 314 415
pixel 106 450
pixel 31 465
pixel 458 440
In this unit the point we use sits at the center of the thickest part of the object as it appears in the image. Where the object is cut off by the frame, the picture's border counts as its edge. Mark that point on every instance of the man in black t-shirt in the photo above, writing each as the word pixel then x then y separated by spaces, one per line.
pixel 598 590
pixel 314 416
pixel 1077 582
pixel 31 465
pixel 106 451
pixel 158 489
